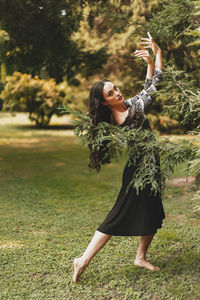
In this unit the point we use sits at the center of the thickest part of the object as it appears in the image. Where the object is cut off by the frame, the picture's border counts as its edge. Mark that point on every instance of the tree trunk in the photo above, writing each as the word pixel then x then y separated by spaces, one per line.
pixel 197 178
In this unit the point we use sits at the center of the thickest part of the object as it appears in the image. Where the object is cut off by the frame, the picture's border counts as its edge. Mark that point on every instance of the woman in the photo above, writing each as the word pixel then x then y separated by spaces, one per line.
pixel 132 214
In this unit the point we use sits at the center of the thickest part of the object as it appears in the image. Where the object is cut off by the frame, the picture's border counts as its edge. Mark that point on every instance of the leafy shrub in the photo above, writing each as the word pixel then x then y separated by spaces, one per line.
pixel 39 97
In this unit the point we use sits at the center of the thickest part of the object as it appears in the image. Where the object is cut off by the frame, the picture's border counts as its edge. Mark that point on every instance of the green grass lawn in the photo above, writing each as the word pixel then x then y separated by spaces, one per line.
pixel 50 206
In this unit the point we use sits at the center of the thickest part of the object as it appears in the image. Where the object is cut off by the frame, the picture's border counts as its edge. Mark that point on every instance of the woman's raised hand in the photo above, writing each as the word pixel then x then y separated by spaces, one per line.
pixel 144 54
pixel 150 43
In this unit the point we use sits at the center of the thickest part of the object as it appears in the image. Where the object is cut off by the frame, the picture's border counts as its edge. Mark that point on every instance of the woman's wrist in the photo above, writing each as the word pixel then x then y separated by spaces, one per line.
pixel 158 51
pixel 150 68
pixel 150 61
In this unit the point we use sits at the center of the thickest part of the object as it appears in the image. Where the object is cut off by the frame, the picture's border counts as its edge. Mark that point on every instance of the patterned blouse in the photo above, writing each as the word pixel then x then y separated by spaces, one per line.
pixel 138 103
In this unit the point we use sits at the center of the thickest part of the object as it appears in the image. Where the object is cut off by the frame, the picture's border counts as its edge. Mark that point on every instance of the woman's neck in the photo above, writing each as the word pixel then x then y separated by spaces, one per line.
pixel 118 108
pixel 119 113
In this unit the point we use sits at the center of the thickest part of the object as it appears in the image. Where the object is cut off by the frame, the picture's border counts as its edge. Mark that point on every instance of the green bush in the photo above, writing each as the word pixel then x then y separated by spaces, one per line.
pixel 39 97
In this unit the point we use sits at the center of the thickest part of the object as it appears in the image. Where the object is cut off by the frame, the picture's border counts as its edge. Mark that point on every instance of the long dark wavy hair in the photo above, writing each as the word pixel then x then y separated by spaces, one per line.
pixel 98 113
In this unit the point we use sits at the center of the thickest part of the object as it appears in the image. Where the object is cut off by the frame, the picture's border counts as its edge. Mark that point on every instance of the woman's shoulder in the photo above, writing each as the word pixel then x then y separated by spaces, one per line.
pixel 129 102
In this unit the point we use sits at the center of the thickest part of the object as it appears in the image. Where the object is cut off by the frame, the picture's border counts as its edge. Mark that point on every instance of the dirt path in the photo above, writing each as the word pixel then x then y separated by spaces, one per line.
pixel 181 180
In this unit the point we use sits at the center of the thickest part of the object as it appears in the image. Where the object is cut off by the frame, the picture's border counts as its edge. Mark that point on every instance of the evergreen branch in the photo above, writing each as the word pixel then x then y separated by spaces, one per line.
pixel 181 88
pixel 144 148
pixel 182 100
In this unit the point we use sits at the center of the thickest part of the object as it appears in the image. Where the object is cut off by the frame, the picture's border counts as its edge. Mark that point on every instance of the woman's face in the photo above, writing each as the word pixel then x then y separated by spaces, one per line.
pixel 112 94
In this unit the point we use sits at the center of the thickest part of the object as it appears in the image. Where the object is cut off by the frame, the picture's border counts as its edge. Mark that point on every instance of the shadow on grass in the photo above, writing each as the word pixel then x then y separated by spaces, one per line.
pixel 49 127
pixel 177 266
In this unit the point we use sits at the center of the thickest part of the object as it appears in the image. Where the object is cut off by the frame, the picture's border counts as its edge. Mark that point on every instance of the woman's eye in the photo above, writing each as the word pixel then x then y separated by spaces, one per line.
pixel 115 88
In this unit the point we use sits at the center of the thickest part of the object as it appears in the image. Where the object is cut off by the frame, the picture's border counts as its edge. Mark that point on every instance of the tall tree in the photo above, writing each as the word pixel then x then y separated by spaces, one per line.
pixel 169 26
pixel 113 26
pixel 181 86
pixel 41 38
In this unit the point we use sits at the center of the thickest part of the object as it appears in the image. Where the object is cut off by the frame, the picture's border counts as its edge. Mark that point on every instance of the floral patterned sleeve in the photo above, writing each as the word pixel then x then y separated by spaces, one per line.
pixel 144 98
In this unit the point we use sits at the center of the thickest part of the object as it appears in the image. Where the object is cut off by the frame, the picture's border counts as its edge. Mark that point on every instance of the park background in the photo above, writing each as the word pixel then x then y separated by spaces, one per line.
pixel 51 52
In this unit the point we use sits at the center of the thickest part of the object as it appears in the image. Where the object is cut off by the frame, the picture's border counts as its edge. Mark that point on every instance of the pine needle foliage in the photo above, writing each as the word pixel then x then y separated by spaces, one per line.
pixel 144 148
pixel 183 104
pixel 172 19
pixel 183 97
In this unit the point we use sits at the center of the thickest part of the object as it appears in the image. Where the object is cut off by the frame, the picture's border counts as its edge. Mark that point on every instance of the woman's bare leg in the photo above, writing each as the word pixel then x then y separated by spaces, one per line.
pixel 98 241
pixel 140 259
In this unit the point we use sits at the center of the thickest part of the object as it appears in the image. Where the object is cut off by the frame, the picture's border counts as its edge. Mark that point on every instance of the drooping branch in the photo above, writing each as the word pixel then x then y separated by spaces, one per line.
pixel 143 147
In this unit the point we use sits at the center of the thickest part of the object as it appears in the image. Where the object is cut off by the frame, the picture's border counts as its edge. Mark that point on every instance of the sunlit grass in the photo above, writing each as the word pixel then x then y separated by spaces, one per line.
pixel 50 206
pixel 11 244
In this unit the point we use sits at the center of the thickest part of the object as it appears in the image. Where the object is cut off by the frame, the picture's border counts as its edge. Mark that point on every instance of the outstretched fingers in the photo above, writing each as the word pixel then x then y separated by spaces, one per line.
pixel 147 43
pixel 144 44
pixel 140 45
pixel 145 39
pixel 141 53
pixel 149 35
pixel 150 38
pixel 144 54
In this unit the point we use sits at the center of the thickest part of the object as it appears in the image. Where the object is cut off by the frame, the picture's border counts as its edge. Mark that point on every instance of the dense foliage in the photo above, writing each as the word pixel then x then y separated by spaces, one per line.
pixel 171 25
pixel 40 38
pixel 182 88
pixel 184 102
pixel 184 105
pixel 39 97
pixel 141 146
pixel 74 39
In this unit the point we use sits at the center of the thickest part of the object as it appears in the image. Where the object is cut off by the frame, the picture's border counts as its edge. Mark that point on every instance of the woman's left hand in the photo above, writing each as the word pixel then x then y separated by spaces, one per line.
pixel 144 54
pixel 150 43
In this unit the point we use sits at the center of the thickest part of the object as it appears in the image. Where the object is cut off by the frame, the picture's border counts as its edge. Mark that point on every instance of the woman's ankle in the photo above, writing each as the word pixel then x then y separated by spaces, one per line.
pixel 84 261
pixel 140 258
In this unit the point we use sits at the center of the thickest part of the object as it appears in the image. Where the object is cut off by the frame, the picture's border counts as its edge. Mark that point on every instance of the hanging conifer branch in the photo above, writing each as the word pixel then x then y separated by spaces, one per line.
pixel 183 98
pixel 143 147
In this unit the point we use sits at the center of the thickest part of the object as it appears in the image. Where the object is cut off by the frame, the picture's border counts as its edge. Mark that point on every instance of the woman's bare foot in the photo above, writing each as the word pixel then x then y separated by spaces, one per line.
pixel 79 268
pixel 145 264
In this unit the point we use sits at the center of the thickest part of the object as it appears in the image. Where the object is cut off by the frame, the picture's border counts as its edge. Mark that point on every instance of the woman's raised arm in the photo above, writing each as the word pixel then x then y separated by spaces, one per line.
pixel 147 57
pixel 153 78
pixel 150 43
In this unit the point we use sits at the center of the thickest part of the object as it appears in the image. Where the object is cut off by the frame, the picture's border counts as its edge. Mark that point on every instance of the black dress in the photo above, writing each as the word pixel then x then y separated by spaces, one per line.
pixel 136 214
